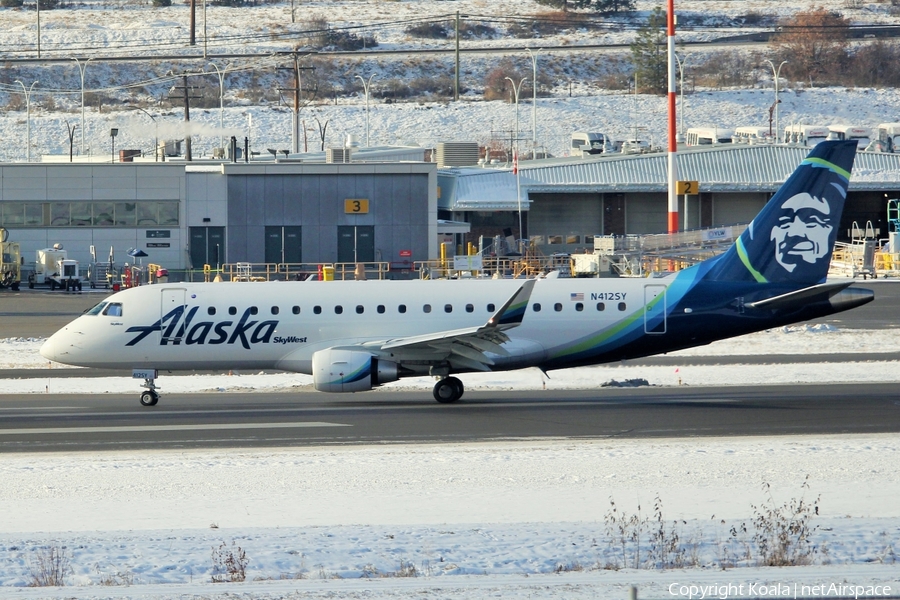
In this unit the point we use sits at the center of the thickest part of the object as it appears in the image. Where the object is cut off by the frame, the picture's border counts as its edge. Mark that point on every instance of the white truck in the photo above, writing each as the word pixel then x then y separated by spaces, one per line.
pixel 887 138
pixel 53 266
pixel 707 136
pixel 585 142
pixel 805 135
pixel 861 135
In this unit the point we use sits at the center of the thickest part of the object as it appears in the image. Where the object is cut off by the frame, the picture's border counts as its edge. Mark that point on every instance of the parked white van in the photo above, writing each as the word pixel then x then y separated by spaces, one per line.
pixel 752 135
pixel 707 136
pixel 862 135
pixel 805 135
pixel 888 137
pixel 590 142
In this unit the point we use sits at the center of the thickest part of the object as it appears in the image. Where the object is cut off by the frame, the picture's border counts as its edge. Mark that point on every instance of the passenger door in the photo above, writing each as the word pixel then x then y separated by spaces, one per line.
pixel 654 309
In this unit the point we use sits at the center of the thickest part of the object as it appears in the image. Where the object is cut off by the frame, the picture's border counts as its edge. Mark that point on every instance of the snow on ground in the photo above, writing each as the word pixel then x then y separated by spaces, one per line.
pixel 512 520
pixel 498 517
pixel 427 124
pixel 577 101
pixel 119 26
pixel 525 519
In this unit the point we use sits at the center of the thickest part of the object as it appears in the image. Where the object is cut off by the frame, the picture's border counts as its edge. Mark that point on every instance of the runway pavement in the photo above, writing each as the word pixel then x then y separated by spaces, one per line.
pixel 89 422
pixel 86 422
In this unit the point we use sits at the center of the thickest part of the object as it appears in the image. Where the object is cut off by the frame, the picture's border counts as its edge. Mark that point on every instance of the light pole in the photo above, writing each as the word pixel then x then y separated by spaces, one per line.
pixel 37 3
pixel 156 136
pixel 516 90
pixel 81 69
pixel 27 92
pixel 681 65
pixel 112 139
pixel 204 28
pixel 776 73
pixel 221 74
pixel 533 55
pixel 366 88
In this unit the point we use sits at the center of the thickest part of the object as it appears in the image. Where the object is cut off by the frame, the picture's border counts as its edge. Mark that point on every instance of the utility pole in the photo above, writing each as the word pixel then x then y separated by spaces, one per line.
pixel 456 74
pixel 187 115
pixel 193 41
pixel 298 93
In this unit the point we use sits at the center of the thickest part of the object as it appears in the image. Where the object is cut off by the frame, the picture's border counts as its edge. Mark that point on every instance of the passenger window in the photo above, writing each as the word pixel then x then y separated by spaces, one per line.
pixel 601 306
pixel 579 306
pixel 274 310
pixel 536 307
pixel 232 310
pixel 113 310
pixel 359 309
pixel 96 310
pixel 491 308
pixel 401 308
pixel 338 309
pixel 380 309
pixel 317 310
pixel 426 308
pixel 621 306
pixel 557 307
pixel 296 310
pixel 211 310
pixel 448 308
pixel 253 310
pixel 470 308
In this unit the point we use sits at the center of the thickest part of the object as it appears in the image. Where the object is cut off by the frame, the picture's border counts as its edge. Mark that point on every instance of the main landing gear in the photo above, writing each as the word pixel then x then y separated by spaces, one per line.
pixel 151 396
pixel 447 390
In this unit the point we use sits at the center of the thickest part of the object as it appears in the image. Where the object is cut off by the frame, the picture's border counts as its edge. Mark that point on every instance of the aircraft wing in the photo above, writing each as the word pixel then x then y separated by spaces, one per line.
pixel 466 348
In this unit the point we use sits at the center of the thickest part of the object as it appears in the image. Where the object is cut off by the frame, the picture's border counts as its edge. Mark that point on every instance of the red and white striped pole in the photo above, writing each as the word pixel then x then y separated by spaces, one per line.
pixel 673 142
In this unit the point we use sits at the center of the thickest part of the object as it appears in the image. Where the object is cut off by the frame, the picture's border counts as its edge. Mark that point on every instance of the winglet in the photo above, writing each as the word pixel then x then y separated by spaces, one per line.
pixel 513 311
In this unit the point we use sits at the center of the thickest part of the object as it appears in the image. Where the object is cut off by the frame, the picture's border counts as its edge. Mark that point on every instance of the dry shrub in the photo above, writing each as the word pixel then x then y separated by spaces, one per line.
pixel 48 567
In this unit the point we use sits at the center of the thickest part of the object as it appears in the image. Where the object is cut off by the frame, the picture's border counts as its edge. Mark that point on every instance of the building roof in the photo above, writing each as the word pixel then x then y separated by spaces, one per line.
pixel 724 168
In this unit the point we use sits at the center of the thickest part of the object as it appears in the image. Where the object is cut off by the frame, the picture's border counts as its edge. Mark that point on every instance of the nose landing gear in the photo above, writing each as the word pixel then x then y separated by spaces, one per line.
pixel 447 390
pixel 151 396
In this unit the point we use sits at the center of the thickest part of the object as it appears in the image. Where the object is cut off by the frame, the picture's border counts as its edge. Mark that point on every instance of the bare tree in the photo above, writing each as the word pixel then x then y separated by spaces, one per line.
pixel 814 43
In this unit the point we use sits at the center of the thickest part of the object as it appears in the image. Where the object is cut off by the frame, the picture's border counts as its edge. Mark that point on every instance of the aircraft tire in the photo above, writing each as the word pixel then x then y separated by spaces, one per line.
pixel 447 390
pixel 149 398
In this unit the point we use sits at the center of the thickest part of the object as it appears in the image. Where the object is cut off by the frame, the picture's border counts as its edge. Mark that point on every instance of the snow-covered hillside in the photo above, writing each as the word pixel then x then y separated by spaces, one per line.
pixel 134 97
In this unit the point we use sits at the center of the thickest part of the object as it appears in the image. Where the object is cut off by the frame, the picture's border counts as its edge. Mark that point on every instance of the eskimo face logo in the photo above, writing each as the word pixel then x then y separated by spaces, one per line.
pixel 802 232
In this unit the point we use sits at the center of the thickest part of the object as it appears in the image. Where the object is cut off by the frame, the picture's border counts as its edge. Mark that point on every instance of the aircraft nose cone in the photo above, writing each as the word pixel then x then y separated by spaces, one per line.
pixel 52 349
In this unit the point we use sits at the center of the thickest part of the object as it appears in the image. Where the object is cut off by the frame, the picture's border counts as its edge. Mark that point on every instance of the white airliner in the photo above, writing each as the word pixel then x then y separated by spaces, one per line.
pixel 356 335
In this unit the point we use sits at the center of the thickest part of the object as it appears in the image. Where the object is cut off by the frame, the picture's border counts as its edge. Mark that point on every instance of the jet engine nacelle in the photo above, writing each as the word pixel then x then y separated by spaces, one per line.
pixel 339 370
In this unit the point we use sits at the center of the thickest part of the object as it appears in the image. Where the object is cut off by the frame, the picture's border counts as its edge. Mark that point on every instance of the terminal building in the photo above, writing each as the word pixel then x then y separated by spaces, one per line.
pixel 187 215
pixel 568 201
pixel 392 205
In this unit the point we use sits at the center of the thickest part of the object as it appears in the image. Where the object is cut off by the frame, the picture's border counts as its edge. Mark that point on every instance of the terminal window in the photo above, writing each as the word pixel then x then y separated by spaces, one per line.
pixel 89 214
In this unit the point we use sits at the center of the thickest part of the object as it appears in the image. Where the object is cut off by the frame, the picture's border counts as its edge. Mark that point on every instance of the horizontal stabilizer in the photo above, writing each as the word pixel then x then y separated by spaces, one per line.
pixel 800 298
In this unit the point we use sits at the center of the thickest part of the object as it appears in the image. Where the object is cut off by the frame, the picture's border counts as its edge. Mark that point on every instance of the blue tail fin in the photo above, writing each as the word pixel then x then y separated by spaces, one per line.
pixel 792 238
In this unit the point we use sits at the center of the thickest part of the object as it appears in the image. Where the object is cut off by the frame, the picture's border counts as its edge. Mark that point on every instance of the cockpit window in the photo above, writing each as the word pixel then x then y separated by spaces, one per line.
pixel 96 309
pixel 113 310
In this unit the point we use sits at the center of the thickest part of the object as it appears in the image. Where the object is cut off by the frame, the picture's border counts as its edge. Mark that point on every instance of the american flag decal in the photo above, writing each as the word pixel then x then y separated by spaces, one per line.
pixel 579 297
